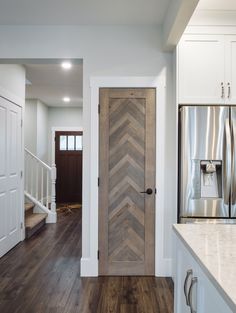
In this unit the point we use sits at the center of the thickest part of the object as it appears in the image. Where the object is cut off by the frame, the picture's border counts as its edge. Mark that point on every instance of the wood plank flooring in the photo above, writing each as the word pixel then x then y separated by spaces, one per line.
pixel 42 275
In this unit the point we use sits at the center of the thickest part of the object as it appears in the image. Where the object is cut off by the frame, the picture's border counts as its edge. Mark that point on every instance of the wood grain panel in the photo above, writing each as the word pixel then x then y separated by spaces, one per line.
pixel 127 167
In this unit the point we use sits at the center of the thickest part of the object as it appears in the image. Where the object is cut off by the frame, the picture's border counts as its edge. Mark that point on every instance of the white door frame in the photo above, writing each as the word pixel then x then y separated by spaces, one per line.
pixel 89 263
pixel 63 129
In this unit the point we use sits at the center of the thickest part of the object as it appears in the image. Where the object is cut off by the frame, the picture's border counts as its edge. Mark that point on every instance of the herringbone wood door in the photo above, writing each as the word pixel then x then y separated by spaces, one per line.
pixel 127 168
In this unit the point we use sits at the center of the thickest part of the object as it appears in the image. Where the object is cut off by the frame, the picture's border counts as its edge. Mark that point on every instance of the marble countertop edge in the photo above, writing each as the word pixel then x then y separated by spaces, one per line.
pixel 225 295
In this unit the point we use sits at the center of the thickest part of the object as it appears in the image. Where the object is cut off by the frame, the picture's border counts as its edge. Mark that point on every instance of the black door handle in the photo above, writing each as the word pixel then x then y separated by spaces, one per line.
pixel 148 191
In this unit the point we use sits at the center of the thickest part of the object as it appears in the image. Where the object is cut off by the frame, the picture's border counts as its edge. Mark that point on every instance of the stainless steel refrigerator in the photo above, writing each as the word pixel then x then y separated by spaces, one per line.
pixel 207 164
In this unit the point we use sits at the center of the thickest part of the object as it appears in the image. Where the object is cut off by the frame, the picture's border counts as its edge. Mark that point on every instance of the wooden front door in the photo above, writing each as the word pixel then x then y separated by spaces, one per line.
pixel 127 170
pixel 68 156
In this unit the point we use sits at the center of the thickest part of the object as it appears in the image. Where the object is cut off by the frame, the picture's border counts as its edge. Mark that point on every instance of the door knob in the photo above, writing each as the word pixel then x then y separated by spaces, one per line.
pixel 148 191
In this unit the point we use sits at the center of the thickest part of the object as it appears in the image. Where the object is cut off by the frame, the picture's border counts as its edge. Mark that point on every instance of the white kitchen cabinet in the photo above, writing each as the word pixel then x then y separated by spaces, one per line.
pixel 203 296
pixel 185 271
pixel 230 68
pixel 201 69
pixel 207 69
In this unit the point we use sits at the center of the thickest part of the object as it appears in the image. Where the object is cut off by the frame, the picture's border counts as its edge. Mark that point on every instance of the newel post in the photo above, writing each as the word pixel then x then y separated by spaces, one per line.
pixel 53 191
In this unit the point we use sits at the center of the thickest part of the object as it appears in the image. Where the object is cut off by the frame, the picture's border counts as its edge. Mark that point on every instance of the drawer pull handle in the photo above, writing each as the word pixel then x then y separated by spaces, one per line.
pixel 222 91
pixel 190 294
pixel 229 90
pixel 188 274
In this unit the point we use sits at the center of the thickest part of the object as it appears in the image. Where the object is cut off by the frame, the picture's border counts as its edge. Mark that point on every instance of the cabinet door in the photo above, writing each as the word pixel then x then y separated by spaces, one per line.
pixel 184 263
pixel 212 301
pixel 201 69
pixel 230 74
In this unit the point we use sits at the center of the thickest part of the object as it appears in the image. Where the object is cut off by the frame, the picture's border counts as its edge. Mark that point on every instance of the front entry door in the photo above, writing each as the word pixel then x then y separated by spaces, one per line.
pixel 127 181
pixel 68 157
pixel 10 175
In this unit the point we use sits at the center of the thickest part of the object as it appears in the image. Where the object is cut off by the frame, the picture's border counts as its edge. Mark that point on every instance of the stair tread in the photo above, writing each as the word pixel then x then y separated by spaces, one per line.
pixel 29 206
pixel 34 219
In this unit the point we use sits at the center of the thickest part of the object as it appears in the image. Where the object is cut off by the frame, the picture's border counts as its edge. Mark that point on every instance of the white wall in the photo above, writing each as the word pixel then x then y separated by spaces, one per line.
pixel 36 128
pixel 42 131
pixel 12 82
pixel 39 121
pixel 30 125
pixel 106 51
pixel 62 117
pixel 65 117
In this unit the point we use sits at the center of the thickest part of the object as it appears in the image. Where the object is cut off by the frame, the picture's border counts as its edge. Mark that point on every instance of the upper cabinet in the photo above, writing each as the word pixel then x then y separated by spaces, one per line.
pixel 207 69
pixel 230 68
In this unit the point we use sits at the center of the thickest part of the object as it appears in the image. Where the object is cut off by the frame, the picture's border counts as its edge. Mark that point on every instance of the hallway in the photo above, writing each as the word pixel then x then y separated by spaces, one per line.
pixel 42 275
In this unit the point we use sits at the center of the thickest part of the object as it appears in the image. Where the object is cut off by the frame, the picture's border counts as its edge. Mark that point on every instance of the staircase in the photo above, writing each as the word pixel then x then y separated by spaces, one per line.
pixel 40 194
pixel 34 222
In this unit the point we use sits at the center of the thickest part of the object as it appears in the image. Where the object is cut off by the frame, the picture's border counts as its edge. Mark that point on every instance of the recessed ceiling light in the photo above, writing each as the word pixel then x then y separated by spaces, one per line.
pixel 66 99
pixel 66 65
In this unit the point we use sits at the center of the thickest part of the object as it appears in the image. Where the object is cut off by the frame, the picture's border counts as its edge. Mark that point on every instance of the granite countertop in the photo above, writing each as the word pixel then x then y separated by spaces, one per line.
pixel 214 248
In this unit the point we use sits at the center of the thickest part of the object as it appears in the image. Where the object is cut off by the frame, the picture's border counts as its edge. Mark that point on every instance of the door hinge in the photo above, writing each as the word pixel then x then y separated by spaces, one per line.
pixel 155 190
pixel 99 109
pixel 21 123
pixel 98 181
pixel 98 254
pixel 21 174
pixel 21 225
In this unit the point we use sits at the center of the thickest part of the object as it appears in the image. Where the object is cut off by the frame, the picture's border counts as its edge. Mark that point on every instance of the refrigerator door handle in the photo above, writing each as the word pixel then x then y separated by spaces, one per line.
pixel 227 162
pixel 233 173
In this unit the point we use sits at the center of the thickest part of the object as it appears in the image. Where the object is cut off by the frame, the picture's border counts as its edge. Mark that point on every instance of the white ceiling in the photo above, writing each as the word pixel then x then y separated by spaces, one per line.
pixel 217 5
pixel 50 83
pixel 77 12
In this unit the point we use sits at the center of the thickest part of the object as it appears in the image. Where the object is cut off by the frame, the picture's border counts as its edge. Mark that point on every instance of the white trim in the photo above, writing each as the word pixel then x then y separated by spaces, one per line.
pixel 57 129
pixel 23 173
pixel 210 30
pixel 89 264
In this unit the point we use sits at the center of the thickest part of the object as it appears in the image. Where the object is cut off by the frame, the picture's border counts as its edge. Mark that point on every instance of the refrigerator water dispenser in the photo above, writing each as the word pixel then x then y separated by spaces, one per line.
pixel 211 179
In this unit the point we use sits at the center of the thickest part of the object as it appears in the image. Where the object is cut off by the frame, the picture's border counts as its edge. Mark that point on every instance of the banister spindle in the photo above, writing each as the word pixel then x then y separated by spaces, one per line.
pixel 31 175
pixel 37 180
pixel 53 188
pixel 47 193
pixel 41 200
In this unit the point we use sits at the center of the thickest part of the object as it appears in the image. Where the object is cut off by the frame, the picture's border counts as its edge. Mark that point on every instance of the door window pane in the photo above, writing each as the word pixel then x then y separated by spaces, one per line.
pixel 71 143
pixel 79 143
pixel 63 142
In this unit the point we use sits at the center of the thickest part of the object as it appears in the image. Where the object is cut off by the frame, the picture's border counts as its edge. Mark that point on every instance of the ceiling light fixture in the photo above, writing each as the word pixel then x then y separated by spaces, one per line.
pixel 66 99
pixel 66 65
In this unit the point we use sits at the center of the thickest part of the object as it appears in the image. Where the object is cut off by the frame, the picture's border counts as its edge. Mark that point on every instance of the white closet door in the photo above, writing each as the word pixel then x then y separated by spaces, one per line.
pixel 10 180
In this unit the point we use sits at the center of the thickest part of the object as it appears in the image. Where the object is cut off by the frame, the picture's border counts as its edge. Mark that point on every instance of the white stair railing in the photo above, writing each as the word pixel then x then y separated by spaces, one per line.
pixel 40 184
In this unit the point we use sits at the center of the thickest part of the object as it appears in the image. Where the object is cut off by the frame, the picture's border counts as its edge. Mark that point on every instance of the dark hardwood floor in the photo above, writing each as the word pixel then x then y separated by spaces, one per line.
pixel 42 275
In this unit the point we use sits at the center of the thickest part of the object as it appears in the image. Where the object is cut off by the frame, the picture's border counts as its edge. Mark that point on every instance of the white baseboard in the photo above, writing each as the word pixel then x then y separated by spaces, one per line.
pixel 23 234
pixel 165 268
pixel 89 267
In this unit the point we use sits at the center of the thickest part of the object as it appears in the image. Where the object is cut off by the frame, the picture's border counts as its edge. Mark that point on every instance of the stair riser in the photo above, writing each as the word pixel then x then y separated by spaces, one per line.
pixel 29 212
pixel 29 232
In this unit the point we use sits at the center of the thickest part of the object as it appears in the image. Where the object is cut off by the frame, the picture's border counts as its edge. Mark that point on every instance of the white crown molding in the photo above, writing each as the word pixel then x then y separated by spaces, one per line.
pixel 213 18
